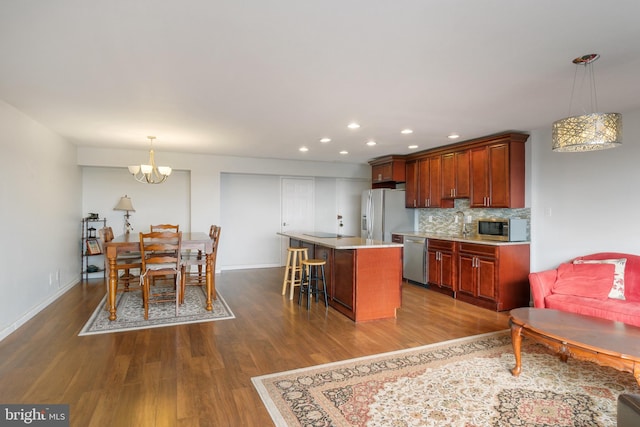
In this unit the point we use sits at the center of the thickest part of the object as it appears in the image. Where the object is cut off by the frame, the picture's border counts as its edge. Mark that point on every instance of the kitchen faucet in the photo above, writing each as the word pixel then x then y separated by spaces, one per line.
pixel 464 230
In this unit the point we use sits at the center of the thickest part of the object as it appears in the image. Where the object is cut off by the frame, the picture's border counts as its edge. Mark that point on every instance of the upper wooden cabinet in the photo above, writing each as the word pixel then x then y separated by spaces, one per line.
pixel 455 175
pixel 388 169
pixel 423 186
pixel 489 171
pixel 497 175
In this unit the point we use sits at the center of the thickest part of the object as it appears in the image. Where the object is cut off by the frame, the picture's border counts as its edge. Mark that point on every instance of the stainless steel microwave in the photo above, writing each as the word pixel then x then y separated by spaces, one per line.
pixel 503 229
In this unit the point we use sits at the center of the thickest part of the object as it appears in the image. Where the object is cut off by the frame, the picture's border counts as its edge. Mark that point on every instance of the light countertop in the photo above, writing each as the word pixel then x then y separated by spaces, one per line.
pixel 457 238
pixel 340 242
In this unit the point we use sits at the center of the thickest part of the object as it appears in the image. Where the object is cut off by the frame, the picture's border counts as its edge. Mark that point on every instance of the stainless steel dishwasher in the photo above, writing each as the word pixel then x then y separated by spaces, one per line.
pixel 414 262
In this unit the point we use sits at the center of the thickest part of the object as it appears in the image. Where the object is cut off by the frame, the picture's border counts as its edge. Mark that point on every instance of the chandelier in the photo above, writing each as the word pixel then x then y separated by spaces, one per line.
pixel 590 131
pixel 150 174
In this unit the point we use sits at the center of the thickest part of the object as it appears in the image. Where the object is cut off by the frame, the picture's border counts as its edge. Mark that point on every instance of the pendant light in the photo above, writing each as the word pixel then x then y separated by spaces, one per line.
pixel 590 131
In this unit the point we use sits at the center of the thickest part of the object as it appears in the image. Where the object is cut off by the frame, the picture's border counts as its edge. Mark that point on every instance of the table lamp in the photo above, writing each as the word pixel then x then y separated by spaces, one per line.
pixel 125 205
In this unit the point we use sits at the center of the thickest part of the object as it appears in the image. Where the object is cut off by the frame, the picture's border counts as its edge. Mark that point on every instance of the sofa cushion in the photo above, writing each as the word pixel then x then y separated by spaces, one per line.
pixel 617 288
pixel 631 272
pixel 612 309
pixel 584 280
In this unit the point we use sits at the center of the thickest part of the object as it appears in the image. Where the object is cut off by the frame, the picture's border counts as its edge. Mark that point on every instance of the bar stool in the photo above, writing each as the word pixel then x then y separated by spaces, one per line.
pixel 310 279
pixel 293 269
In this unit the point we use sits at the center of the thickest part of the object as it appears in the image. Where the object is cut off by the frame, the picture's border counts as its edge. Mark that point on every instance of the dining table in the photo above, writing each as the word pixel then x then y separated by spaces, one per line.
pixel 131 242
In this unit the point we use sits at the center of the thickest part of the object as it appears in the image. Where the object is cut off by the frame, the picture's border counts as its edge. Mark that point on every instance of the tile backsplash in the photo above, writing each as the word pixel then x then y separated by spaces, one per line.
pixel 438 220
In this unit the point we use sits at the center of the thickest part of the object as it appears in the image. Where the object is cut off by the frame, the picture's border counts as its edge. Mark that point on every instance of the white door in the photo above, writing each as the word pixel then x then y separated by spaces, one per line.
pixel 297 208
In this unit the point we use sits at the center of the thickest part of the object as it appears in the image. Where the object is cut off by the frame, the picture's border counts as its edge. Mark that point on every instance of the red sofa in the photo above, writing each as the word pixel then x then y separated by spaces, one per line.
pixel 583 286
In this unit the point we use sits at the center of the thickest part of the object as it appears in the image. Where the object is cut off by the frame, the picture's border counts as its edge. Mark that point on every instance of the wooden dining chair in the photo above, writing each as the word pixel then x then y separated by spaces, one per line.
pixel 160 256
pixel 128 262
pixel 198 258
pixel 165 227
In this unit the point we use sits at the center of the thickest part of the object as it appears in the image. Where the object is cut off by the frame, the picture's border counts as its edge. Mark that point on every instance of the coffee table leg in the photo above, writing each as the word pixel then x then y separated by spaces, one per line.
pixel 516 341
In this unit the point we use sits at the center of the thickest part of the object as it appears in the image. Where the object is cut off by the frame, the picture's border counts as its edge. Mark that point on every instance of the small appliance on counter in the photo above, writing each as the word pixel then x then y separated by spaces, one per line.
pixel 503 229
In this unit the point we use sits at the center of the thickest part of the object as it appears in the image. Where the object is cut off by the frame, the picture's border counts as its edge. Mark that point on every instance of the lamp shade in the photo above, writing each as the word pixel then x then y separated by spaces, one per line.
pixel 589 132
pixel 124 205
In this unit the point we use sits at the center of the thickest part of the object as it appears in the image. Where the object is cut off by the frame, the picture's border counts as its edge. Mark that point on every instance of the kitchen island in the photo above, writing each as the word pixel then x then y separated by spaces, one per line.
pixel 364 276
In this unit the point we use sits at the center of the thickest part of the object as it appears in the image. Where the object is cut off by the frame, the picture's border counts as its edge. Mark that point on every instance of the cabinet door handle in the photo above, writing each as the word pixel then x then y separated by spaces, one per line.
pixel 414 203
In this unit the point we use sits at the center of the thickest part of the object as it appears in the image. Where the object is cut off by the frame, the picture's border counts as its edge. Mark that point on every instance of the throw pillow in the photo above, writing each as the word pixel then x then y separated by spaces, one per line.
pixel 584 280
pixel 617 289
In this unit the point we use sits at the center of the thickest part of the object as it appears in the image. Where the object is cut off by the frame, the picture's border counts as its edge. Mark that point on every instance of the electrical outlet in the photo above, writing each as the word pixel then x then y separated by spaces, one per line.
pixel 456 219
pixel 430 218
pixel 469 219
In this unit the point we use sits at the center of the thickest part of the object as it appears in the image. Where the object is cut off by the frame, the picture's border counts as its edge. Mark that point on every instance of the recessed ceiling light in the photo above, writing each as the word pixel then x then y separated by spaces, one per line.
pixel 406 131
pixel 454 136
pixel 344 152
pixel 353 125
pixel 325 140
pixel 413 147
pixel 371 143
pixel 303 149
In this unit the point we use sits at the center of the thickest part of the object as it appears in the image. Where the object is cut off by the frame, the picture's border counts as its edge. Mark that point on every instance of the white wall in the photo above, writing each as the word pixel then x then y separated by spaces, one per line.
pixel 584 202
pixel 250 219
pixel 40 194
pixel 166 203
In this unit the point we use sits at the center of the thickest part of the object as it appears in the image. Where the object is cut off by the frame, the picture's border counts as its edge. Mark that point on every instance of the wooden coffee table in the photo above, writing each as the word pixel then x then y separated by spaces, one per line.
pixel 605 342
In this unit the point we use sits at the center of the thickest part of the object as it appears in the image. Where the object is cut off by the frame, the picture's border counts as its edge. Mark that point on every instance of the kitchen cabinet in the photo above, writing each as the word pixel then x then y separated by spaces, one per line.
pixel 441 265
pixel 343 291
pixel 423 187
pixel 493 277
pixel 411 184
pixel 455 175
pixel 387 171
pixel 367 283
pixel 497 175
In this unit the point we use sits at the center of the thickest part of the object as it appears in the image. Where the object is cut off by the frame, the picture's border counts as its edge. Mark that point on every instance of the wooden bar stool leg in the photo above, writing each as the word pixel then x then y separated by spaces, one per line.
pixel 324 288
pixel 286 273
pixel 294 268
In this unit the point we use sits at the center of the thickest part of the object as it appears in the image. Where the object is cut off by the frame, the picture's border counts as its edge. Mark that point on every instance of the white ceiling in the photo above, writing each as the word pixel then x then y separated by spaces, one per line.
pixel 262 78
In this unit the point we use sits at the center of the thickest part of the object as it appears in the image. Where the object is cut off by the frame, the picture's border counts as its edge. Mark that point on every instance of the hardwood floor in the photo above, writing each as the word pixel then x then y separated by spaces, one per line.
pixel 200 374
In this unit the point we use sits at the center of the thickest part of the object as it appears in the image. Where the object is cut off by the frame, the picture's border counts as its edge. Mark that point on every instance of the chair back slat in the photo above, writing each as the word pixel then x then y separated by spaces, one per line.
pixel 165 227
pixel 160 249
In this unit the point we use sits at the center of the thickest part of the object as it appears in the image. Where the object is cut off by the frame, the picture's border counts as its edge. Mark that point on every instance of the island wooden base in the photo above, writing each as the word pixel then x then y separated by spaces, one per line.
pixel 364 283
pixel 371 280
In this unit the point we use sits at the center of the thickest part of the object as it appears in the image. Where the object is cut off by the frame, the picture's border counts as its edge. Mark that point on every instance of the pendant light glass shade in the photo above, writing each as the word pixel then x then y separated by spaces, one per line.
pixel 597 131
pixel 591 131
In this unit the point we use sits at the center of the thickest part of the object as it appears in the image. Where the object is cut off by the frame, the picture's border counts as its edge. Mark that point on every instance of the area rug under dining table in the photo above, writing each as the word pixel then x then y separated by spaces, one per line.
pixel 131 314
pixel 465 382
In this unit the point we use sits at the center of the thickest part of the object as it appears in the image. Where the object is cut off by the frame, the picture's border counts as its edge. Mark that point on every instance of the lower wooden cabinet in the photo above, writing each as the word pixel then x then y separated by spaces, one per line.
pixel 441 271
pixel 343 293
pixel 494 277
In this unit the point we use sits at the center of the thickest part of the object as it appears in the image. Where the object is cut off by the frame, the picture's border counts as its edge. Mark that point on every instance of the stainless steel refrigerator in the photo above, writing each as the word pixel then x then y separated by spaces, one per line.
pixel 383 213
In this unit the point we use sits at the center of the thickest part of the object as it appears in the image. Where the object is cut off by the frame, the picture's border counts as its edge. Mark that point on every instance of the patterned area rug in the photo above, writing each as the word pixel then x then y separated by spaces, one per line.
pixel 465 382
pixel 130 314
